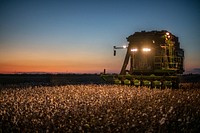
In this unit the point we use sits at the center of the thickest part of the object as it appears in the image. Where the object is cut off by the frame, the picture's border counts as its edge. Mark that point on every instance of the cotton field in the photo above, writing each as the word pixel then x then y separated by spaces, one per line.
pixel 99 108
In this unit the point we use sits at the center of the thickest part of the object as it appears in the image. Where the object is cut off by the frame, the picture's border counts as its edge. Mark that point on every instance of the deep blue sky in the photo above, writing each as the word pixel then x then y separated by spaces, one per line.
pixel 78 35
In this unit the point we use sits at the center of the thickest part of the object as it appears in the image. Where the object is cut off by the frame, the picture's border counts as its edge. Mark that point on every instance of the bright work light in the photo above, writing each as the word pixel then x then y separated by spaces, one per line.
pixel 134 49
pixel 146 49
pixel 168 35
pixel 124 46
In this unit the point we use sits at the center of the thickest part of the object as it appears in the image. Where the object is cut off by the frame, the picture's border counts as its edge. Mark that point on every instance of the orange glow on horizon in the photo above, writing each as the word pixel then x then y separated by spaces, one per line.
pixel 53 67
pixel 25 69
pixel 49 68
pixel 25 61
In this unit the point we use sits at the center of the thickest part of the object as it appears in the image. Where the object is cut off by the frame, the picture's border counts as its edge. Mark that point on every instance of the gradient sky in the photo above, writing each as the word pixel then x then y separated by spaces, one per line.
pixel 77 36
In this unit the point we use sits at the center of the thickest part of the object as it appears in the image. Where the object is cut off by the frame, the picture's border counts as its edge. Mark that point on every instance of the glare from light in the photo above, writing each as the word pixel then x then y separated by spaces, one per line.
pixel 134 50
pixel 167 33
pixel 146 49
pixel 124 46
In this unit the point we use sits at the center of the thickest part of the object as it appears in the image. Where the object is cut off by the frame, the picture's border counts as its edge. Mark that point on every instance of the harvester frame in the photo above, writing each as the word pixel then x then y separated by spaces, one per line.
pixel 155 60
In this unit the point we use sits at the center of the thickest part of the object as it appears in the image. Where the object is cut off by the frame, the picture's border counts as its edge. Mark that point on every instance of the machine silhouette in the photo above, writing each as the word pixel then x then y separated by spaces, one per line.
pixel 153 59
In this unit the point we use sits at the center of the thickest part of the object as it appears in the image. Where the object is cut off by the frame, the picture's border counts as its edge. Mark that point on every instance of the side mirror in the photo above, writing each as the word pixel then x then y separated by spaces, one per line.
pixel 114 52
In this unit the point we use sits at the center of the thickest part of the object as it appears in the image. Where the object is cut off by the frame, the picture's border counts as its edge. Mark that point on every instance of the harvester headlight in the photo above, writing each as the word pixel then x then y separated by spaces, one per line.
pixel 146 49
pixel 134 49
pixel 124 46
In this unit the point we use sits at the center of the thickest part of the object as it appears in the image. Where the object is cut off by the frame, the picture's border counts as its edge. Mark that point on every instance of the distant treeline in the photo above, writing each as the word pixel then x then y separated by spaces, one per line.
pixel 190 78
pixel 63 79
pixel 49 79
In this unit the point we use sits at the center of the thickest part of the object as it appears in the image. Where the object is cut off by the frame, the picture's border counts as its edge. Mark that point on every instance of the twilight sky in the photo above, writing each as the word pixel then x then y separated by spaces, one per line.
pixel 77 36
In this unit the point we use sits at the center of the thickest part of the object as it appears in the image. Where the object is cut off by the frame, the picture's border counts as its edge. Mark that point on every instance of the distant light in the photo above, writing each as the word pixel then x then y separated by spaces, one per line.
pixel 146 49
pixel 124 46
pixel 134 49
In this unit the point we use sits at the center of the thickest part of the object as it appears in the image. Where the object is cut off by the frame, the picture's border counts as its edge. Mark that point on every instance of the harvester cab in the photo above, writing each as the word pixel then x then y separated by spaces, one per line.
pixel 153 59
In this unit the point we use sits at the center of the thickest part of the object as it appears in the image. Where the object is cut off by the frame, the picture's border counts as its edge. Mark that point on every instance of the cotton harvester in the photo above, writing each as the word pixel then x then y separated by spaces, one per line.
pixel 153 59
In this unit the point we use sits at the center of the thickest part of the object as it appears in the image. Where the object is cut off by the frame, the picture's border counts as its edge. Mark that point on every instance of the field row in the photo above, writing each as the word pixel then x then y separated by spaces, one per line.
pixel 99 108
